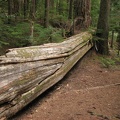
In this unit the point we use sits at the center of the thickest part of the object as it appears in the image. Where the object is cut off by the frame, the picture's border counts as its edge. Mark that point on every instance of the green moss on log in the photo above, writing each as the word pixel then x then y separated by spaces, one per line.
pixel 87 37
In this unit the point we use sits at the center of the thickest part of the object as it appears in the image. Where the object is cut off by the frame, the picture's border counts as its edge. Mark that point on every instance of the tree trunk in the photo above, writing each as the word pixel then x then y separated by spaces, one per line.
pixel 9 11
pixel 46 19
pixel 112 39
pixel 16 9
pixel 25 9
pixel 52 3
pixel 103 27
pixel 60 7
pixel 70 9
pixel 20 8
pixel 118 42
pixel 33 8
pixel 82 10
pixel 31 32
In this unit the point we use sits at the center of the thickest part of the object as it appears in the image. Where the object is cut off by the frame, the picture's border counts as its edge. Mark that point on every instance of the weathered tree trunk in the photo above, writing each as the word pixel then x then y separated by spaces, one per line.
pixel 82 10
pixel 103 27
pixel 25 73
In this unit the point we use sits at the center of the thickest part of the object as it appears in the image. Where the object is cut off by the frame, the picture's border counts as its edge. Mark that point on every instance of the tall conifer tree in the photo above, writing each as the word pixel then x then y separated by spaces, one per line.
pixel 103 27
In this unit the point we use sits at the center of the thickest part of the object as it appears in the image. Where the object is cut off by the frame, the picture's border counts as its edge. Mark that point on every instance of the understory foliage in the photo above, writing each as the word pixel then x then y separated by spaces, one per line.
pixel 15 23
pixel 114 16
pixel 95 12
pixel 115 25
pixel 109 61
pixel 35 22
pixel 19 35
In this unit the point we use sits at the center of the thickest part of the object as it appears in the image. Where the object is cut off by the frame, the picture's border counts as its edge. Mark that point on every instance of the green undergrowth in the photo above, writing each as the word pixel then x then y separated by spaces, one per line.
pixel 109 61
pixel 20 34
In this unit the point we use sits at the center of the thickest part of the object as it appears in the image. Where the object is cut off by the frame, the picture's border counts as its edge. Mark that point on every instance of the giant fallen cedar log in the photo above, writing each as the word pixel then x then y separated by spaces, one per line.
pixel 27 72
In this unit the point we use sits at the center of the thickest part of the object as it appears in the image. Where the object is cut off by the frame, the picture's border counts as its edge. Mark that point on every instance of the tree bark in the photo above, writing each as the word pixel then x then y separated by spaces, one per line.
pixel 118 42
pixel 103 27
pixel 46 18
pixel 70 9
pixel 33 8
pixel 9 11
pixel 60 7
pixel 82 10
pixel 25 8
pixel 52 3
pixel 112 39
pixel 16 9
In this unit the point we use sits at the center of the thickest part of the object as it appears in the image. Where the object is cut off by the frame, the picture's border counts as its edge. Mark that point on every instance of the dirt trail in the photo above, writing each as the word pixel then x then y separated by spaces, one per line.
pixel 88 92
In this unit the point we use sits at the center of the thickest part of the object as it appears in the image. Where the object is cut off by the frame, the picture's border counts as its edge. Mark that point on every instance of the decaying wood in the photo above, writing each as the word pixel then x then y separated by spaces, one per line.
pixel 47 51
pixel 25 73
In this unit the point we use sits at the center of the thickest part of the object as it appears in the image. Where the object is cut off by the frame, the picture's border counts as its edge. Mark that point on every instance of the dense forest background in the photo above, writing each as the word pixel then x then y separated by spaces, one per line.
pixel 35 22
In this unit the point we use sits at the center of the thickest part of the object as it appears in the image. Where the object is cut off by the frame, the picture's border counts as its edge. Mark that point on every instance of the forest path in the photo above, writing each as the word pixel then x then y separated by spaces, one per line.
pixel 87 92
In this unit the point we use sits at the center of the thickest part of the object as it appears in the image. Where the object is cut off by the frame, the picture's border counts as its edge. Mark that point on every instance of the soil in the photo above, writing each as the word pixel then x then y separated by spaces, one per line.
pixel 88 92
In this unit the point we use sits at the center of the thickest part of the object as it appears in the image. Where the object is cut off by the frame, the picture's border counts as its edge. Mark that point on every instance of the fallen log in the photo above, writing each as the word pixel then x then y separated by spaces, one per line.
pixel 27 72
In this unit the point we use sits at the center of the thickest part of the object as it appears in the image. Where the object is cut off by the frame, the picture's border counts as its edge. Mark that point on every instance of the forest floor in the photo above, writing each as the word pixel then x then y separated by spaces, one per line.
pixel 88 92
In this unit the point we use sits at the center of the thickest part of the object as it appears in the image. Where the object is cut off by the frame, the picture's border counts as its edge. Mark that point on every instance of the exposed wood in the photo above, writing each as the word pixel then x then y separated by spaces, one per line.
pixel 25 73
pixel 16 84
pixel 47 51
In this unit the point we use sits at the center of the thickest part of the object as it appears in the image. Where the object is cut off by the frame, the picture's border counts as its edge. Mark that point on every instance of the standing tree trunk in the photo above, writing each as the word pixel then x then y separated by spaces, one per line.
pixel 52 3
pixel 31 32
pixel 33 8
pixel 25 9
pixel 60 7
pixel 9 11
pixel 46 18
pixel 20 8
pixel 118 42
pixel 112 39
pixel 70 9
pixel 102 27
pixel 82 16
pixel 16 9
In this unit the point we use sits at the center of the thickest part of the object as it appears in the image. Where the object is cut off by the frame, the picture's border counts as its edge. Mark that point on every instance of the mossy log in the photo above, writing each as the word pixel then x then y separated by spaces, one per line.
pixel 27 72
